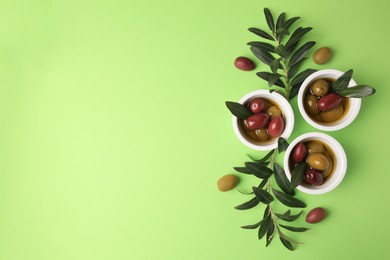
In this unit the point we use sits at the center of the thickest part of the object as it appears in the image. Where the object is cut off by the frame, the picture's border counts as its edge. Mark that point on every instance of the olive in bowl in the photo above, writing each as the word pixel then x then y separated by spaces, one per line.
pixel 272 117
pixel 321 107
pixel 322 159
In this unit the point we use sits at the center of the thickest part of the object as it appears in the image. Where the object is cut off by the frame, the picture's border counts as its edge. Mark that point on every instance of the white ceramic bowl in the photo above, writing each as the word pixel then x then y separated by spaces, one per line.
pixel 286 111
pixel 348 117
pixel 340 163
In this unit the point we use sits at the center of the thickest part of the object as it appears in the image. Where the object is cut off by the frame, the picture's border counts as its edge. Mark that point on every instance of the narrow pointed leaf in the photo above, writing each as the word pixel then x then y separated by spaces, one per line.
pixel 358 91
pixel 270 19
pixel 280 21
pixel 288 217
pixel 264 227
pixel 301 76
pixel 343 81
pixel 295 229
pixel 297 174
pixel 262 55
pixel 294 69
pixel 266 212
pixel 296 36
pixel 263 195
pixel 270 234
pixel 264 159
pixel 249 204
pixel 300 53
pixel 290 22
pixel 274 65
pixel 261 33
pixel 282 180
pixel 244 192
pixel 282 31
pixel 272 80
pixel 238 110
pixel 288 199
pixel 294 91
pixel 266 76
pixel 253 226
pixel 242 170
pixel 262 183
pixel 282 144
pixel 286 243
pixel 281 50
pixel 258 170
pixel 262 46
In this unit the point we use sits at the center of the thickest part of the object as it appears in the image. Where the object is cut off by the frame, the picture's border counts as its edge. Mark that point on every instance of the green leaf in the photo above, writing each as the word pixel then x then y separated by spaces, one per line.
pixel 293 69
pixel 263 195
pixel 264 159
pixel 290 22
pixel 300 53
pixel 266 76
pixel 238 110
pixel 244 192
pixel 288 200
pixel 264 226
pixel 296 36
pixel 262 46
pixel 281 179
pixel 281 51
pixel 280 21
pixel 262 55
pixel 262 183
pixel 295 229
pixel 358 91
pixel 294 91
pixel 287 217
pixel 270 234
pixel 286 243
pixel 274 65
pixel 261 33
pixel 343 81
pixel 258 170
pixel 249 204
pixel 266 212
pixel 269 18
pixel 282 31
pixel 272 80
pixel 301 76
pixel 253 226
pixel 242 170
pixel 297 174
pixel 282 144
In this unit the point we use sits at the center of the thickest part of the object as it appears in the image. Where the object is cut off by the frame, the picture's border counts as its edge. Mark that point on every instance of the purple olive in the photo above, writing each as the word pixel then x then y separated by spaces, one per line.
pixel 243 63
pixel 276 127
pixel 299 153
pixel 329 102
pixel 315 215
pixel 314 177
pixel 257 121
pixel 258 105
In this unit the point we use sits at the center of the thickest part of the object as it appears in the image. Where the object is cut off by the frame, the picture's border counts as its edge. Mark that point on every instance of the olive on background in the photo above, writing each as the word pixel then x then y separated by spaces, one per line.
pixel 315 215
pixel 315 147
pixel 262 134
pixel 314 177
pixel 227 182
pixel 274 111
pixel 333 114
pixel 322 55
pixel 318 161
pixel 299 153
pixel 244 63
pixel 310 103
pixel 258 105
pixel 257 121
pixel 320 87
pixel 276 127
pixel 329 102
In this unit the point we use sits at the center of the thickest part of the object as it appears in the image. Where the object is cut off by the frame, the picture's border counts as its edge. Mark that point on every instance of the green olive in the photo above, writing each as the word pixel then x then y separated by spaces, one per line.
pixel 262 134
pixel 273 111
pixel 318 161
pixel 315 147
pixel 310 103
pixel 320 87
pixel 327 171
pixel 227 182
pixel 322 55
pixel 333 114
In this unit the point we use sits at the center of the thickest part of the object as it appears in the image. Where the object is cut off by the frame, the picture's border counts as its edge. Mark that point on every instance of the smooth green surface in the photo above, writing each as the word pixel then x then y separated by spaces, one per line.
pixel 114 130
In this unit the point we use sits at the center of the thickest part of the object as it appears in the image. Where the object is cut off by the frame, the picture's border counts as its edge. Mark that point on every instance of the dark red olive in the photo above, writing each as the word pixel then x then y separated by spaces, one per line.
pixel 257 121
pixel 299 153
pixel 276 127
pixel 315 215
pixel 243 63
pixel 258 105
pixel 329 102
pixel 314 177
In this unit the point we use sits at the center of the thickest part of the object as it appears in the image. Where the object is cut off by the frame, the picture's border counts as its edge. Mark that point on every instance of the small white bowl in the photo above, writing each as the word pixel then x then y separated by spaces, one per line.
pixel 340 162
pixel 287 111
pixel 347 118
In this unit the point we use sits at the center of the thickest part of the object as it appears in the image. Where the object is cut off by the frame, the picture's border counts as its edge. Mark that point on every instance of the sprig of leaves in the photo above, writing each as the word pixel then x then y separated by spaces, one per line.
pixel 264 193
pixel 340 86
pixel 282 54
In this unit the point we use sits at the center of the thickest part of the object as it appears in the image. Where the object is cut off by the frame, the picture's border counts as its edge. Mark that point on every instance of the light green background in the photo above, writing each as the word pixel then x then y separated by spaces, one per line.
pixel 114 130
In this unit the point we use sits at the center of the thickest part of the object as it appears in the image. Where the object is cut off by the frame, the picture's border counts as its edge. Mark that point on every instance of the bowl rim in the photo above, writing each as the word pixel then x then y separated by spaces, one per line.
pixel 355 103
pixel 341 163
pixel 284 105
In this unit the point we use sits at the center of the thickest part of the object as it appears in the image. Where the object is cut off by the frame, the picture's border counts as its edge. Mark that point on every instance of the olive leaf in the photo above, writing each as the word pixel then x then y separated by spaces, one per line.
pixel 290 22
pixel 266 76
pixel 264 226
pixel 274 65
pixel 262 46
pixel 343 81
pixel 300 77
pixel 281 51
pixel 293 69
pixel 300 53
pixel 297 174
pixel 282 144
pixel 262 183
pixel 260 33
pixel 296 36
pixel 258 170
pixel 288 217
pixel 358 91
pixel 288 199
pixel 238 110
pixel 269 18
pixel 280 21
pixel 270 234
pixel 272 80
pixel 294 90
pixel 242 170
pixel 263 195
pixel 295 229
pixel 264 159
pixel 253 226
pixel 286 243
pixel 262 55
pixel 249 204
pixel 281 179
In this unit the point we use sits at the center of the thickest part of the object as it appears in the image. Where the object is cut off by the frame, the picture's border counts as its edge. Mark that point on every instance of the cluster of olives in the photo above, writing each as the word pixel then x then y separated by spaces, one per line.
pixel 322 104
pixel 266 122
pixel 318 159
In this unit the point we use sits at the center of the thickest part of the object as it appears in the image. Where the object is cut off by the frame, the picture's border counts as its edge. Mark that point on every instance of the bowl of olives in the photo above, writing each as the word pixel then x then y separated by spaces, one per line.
pixel 316 162
pixel 321 107
pixel 271 117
